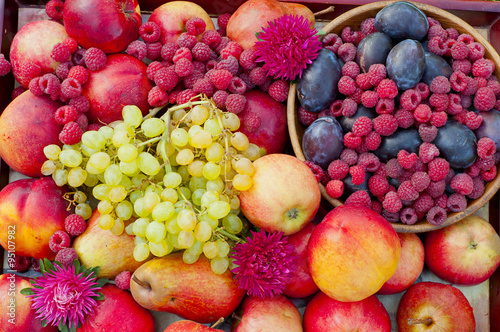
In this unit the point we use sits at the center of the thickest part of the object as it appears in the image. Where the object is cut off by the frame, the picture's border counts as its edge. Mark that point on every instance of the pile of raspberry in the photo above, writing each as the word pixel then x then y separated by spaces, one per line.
pixel 419 185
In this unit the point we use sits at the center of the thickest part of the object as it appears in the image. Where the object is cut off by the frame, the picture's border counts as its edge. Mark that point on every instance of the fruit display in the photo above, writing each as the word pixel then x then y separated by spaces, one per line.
pixel 155 182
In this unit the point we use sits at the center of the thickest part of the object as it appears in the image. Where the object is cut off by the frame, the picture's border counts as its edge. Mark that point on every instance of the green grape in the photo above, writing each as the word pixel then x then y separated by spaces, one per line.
pixel 212 126
pixel 76 177
pixel 106 221
pixel 107 132
pixel 141 252
pixel 189 257
pixel 210 249
pixel 211 170
pixel 184 173
pixel 117 194
pixel 244 166
pixel 139 208
pixel 173 226
pixel 173 239
pixel 218 210
pixel 60 177
pixel 127 153
pixel 178 115
pixel 120 137
pixel 112 175
pixel 172 180
pixel 169 195
pixel 126 182
pixel 153 127
pixel 161 249
pixel 101 191
pixel 185 239
pixel 196 168
pixel 139 240
pixel 213 223
pixel 219 265
pixel 139 180
pixel 186 219
pixel 99 161
pixel 156 231
pixel 234 203
pixel 130 229
pixel 214 152
pixel 124 210
pixel 202 231
pixel 185 192
pixel 232 223
pixel 80 197
pixel 201 139
pixel 105 207
pixel 197 183
pixel 193 130
pixel 199 114
pixel 216 185
pixel 48 167
pixel 88 151
pixel 118 227
pixel 135 194
pixel 52 151
pixel 231 121
pixel 93 139
pixel 70 158
pixel 148 164
pixel 184 157
pixel 239 141
pixel 224 248
pixel 242 182
pixel 132 115
pixel 196 196
pixel 150 200
pixel 140 226
pixel 130 168
pixel 84 210
pixel 91 180
pixel 163 211
pixel 179 137
pixel 252 152
pixel 209 197
pixel 196 248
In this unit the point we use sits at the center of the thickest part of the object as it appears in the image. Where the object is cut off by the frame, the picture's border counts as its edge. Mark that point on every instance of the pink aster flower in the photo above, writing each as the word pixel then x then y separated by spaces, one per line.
pixel 61 296
pixel 287 46
pixel 264 264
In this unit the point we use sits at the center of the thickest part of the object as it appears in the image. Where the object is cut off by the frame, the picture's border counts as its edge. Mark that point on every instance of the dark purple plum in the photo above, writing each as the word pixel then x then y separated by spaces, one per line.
pixel 317 88
pixel 435 66
pixel 374 48
pixel 457 144
pixel 406 64
pixel 403 139
pixel 347 122
pixel 402 20
pixel 323 141
pixel 490 127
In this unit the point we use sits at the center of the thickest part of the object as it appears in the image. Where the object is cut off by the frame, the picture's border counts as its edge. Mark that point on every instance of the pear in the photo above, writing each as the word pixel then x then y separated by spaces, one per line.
pixel 98 247
pixel 191 291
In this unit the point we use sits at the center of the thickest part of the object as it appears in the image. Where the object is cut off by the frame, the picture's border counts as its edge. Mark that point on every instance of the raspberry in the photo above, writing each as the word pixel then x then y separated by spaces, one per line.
pixel 211 38
pixel 372 141
pixel 221 78
pixel 362 126
pixel 166 79
pixel 377 73
pixel 94 127
pixel 168 51
pixel 483 67
pixel 385 124
pixel 356 96
pixel 456 202
pixel 153 50
pixel 59 240
pixel 122 280
pixel 362 148
pixel 305 117
pixel 376 206
pixel 199 66
pixel 49 84
pixel 477 189
pixel 385 106
pixel 172 96
pixel 473 170
pixel 420 181
pixel 232 48
pixel 422 113
pixel 62 69
pixel 439 101
pixel 404 118
pixel 494 85
pixel 410 99
pixel 441 201
pixel 224 41
pixel 436 215
pixel 392 217
pixel 150 32
pixel 71 44
pixel 245 77
pixel 458 81
pixel 346 107
pixel 153 68
pixel 449 176
pixel 183 67
pixel 351 69
pixel 252 122
pixel 70 88
pixel 65 114
pixel 201 52
pixel 137 49
pixel 157 97
pixel 349 156
pixel 95 59
pixel 454 104
pixel 484 164
pixel 235 103
pixel 18 91
pixel 462 184
pixel 427 152
pixel 338 169
pixel 185 96
pixel 393 168
pixel 490 174
pixel 439 119
pixel 332 42
pixel 387 89
pixel 436 189
pixel 348 35
pixel 437 46
pixel 186 41
pixel 60 53
pixel 258 76
pixel 267 83
pixel 29 71
pixel 71 133
pixel 18 263
pixel 195 26
pixel 378 185
pixel 278 90
pixel 79 73
pixel 316 169
pixel 247 59
pixel 452 33
pixel 220 97
pixel 335 188
pixel 461 66
pixel 190 80
pixel 80 103
pixel 437 31
pixel 82 121
pixel 54 9
pixel 486 148
pixel 407 160
pixel 359 197
pixel 75 225
pixel 427 132
pixel 473 120
pixel 346 85
pixel 368 26
pixel 222 20
pixel 357 174
pixel 205 86
pixel 35 88
pixel 406 191
pixel 230 64
pixel 438 169
pixel 423 203
pixel 440 84
pixel 347 52
pixel 369 98
pixel 423 89
pixel 66 256
pixel 459 51
pixel 363 81
pixel 182 53
pixel 484 99
pixel 408 216
pixel 392 203
pixel 369 161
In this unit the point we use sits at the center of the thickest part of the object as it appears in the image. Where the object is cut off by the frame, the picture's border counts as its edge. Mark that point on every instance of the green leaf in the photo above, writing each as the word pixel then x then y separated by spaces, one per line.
pixel 73 328
pixel 61 324
pixel 102 281
pixel 81 269
pixel 64 329
pixel 27 291
pixel 76 264
pixel 320 33
pixel 257 34
pixel 58 263
pixel 44 323
pixel 48 265
pixel 42 267
pixel 97 269
pixel 100 297
pixel 32 281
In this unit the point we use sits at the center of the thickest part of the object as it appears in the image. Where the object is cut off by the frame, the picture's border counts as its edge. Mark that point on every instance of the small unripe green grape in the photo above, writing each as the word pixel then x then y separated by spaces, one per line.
pixel 91 180
pixel 214 152
pixel 107 132
pixel 139 180
pixel 161 249
pixel 210 249
pixel 76 177
pixel 224 248
pixel 185 239
pixel 252 152
pixel 140 226
pixel 84 210
pixel 112 175
pixel 188 257
pixel 134 195
pixel 163 211
pixel 117 194
pixel 52 151
pixel 211 170
pixel 178 114
pixel 218 210
pixel 173 239
pixel 216 185
pixel 105 207
pixel 127 153
pixel 184 173
pixel 101 191
pixel 196 196
pixel 153 127
pixel 132 115
pixel 141 252
pixel 139 240
pixel 156 231
pixel 213 223
pixel 197 183
pixel 212 126
pixel 179 137
pixel 139 208
pixel 70 158
pixel 173 226
pixel 148 164
pixel 118 227
pixel 130 168
pixel 197 247
pixel 126 182
pixel 106 221
pixel 219 265
pixel 124 210
pixel 232 223
pixel 94 140
pixel 186 193
pixel 86 151
pixel 80 197
pixel 172 180
pixel 130 229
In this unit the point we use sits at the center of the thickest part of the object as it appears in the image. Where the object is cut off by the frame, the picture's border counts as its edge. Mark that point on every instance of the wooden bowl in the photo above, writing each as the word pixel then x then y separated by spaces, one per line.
pixel 353 18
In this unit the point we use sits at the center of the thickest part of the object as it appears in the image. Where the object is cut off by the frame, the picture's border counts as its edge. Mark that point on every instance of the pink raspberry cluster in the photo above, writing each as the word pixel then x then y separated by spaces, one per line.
pixel 60 241
pixel 412 186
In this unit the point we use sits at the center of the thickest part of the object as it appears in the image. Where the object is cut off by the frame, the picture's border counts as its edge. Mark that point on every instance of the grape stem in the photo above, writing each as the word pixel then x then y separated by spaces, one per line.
pixel 229 235
pixel 153 112
pixel 163 144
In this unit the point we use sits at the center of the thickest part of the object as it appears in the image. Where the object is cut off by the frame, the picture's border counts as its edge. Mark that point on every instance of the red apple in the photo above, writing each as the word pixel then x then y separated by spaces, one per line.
pixel 121 82
pixel 352 253
pixel 31 210
pixel 27 125
pixel 302 283
pixel 465 253
pixel 108 25
pixel 33 44
pixel 325 314
pixel 118 312
pixel 263 121
pixel 410 266
pixel 284 196
pixel 173 15
pixel 275 314
pixel 16 314
pixel 189 326
pixel 432 306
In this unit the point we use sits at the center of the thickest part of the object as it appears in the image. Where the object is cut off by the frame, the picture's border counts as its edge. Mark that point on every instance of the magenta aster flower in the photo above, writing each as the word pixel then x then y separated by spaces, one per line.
pixel 264 264
pixel 287 46
pixel 63 295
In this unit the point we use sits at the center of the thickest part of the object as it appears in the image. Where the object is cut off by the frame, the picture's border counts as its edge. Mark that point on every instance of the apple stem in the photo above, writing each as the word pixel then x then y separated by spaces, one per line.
pixel 140 283
pixel 218 322
pixel 324 11
pixel 416 321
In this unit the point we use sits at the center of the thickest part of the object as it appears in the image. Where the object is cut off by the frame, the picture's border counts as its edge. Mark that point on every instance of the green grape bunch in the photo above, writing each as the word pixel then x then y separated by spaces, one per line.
pixel 171 181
